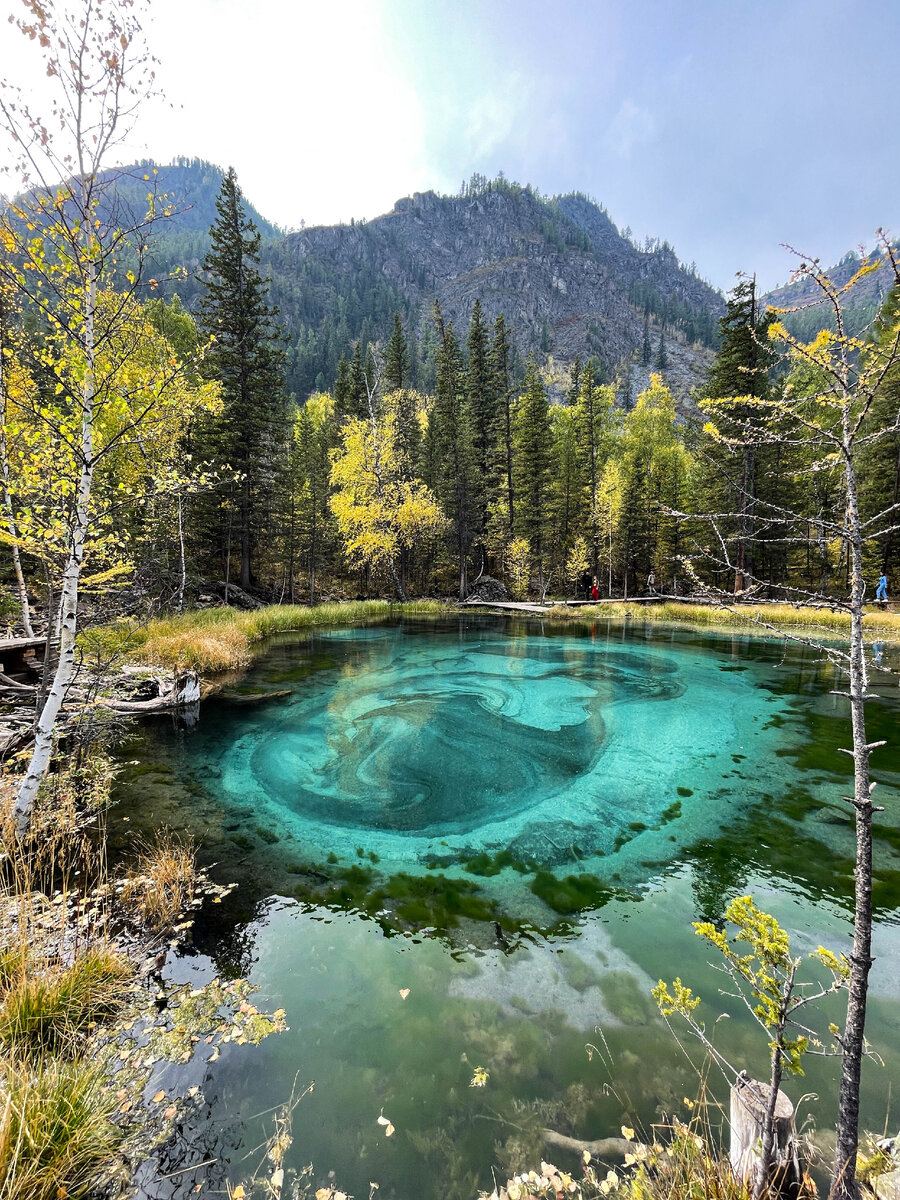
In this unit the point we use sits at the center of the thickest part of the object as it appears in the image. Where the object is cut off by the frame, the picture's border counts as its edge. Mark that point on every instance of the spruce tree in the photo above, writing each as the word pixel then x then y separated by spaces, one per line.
pixel 482 399
pixel 247 356
pixel 397 360
pixel 662 357
pixel 501 377
pixel 646 351
pixel 533 447
pixel 732 477
pixel 451 449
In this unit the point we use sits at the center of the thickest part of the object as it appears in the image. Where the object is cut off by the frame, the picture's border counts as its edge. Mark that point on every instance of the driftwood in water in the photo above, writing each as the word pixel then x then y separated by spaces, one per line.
pixel 177 691
pixel 601 1148
pixel 749 1099
pixel 253 697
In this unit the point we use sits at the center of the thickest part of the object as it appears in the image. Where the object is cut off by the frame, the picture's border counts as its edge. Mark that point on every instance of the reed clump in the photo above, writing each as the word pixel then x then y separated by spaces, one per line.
pixel 51 1008
pixel 162 886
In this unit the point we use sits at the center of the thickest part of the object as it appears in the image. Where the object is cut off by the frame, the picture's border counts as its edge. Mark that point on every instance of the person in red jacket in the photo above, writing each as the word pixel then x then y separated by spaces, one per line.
pixel 595 590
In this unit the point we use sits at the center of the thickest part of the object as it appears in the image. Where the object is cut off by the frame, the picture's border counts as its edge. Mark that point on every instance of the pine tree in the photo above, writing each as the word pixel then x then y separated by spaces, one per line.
pixel 732 477
pixel 247 356
pixel 646 351
pixel 594 429
pixel 574 381
pixel 356 404
pixel 501 376
pixel 662 357
pixel 879 473
pixel 532 465
pixel 343 385
pixel 452 449
pixel 397 360
pixel 482 399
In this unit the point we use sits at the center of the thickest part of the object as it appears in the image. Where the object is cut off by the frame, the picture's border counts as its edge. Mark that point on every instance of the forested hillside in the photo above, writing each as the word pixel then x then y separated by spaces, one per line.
pixel 568 282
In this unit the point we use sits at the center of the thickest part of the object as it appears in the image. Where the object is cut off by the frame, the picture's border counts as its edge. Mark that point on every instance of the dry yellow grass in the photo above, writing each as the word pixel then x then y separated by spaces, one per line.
pixel 160 890
pixel 219 639
pixel 747 617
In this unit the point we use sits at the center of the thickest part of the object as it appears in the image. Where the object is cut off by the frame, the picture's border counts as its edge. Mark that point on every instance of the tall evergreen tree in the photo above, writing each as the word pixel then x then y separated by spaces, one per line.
pixel 452 443
pixel 532 465
pixel 594 427
pixel 879 474
pixel 247 356
pixel 662 356
pixel 501 377
pixel 741 368
pixel 397 360
pixel 646 350
pixel 574 381
pixel 482 399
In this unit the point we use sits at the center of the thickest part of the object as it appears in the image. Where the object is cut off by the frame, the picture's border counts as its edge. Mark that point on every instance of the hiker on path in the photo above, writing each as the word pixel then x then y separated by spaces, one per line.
pixel 881 590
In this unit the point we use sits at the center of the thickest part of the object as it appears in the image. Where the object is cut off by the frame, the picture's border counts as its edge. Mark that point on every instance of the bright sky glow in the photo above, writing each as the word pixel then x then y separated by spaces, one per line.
pixel 723 126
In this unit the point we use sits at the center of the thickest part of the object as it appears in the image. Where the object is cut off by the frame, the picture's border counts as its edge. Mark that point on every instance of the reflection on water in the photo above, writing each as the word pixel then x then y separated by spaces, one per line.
pixel 518 824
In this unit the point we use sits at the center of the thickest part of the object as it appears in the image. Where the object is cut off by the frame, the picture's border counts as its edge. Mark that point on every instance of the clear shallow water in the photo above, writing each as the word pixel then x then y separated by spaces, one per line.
pixel 518 824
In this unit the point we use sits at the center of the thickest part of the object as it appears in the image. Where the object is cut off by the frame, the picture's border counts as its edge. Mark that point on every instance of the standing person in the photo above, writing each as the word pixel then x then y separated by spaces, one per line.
pixel 881 590
pixel 595 589
pixel 651 583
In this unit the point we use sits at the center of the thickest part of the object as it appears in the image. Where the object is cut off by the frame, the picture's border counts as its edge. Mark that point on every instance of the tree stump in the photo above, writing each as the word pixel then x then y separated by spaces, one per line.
pixel 749 1100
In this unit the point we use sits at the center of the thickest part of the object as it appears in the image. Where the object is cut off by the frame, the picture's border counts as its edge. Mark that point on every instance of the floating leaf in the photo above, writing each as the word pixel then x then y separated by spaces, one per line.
pixel 404 992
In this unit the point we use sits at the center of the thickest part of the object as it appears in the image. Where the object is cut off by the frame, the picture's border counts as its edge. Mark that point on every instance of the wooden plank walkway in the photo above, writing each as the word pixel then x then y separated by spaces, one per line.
pixel 19 654
pixel 532 607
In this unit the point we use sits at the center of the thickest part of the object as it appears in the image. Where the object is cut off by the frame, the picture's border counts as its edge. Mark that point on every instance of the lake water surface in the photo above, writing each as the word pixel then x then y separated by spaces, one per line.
pixel 479 843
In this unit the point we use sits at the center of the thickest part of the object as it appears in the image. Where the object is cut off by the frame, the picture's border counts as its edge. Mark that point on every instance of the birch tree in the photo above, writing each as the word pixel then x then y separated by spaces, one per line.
pixel 66 236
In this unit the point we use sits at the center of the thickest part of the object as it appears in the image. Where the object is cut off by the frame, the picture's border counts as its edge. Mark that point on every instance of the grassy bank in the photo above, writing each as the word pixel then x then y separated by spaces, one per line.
pixel 746 617
pixel 220 639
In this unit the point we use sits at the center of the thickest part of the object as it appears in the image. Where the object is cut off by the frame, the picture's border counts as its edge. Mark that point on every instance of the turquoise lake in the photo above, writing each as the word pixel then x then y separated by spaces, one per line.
pixel 517 822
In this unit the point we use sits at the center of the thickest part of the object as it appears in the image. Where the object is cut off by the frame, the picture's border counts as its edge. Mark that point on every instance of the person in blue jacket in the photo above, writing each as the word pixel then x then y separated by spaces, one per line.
pixel 881 590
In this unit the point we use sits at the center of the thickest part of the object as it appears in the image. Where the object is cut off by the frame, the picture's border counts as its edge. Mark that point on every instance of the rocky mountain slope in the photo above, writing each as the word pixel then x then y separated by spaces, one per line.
pixel 567 281
pixel 809 313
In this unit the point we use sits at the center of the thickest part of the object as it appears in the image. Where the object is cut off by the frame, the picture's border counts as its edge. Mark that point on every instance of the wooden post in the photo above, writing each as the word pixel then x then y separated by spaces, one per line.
pixel 749 1098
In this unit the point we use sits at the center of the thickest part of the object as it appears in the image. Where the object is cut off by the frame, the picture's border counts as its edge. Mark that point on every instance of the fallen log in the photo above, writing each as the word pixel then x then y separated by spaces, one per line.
pixel 600 1148
pixel 179 691
pixel 253 697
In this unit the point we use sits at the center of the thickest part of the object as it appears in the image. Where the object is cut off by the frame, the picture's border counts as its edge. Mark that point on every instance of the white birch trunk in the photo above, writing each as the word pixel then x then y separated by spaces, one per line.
pixel 68 626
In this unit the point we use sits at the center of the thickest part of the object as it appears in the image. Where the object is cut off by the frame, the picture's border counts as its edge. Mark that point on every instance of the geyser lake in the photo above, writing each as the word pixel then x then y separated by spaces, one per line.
pixel 517 822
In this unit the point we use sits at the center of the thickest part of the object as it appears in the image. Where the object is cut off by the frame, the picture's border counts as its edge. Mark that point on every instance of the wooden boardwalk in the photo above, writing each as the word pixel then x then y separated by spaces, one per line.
pixel 19 654
pixel 533 607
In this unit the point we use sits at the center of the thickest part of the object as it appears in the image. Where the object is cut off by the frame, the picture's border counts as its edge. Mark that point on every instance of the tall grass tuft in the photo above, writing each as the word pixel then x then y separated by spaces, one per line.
pixel 56 1130
pixel 43 1009
pixel 742 616
pixel 160 889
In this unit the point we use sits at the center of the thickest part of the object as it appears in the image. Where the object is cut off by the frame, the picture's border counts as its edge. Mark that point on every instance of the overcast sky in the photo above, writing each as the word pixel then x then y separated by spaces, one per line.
pixel 724 126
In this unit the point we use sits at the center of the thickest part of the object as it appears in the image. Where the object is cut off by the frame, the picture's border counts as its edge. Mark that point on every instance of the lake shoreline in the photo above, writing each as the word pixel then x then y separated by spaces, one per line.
pixel 214 641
